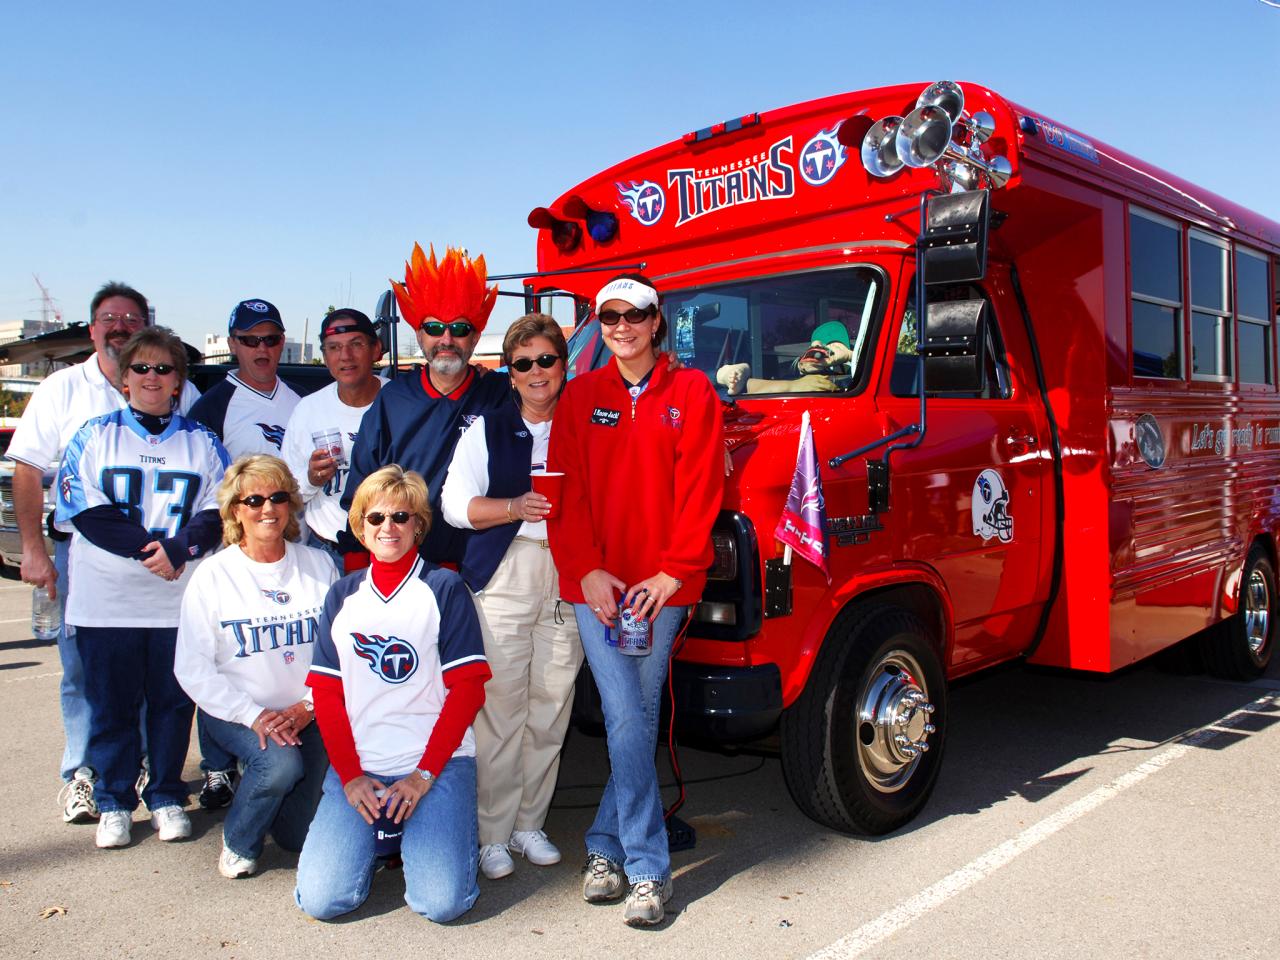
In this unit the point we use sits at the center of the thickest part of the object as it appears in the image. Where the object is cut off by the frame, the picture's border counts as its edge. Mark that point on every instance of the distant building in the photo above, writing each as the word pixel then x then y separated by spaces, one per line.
pixel 11 330
pixel 217 350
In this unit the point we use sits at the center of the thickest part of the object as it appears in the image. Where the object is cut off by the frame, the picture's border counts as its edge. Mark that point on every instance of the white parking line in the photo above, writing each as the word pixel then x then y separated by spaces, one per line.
pixel 34 676
pixel 904 914
pixel 17 620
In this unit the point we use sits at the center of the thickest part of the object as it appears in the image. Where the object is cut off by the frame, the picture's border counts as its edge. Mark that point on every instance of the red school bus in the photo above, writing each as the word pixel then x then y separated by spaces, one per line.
pixel 1088 476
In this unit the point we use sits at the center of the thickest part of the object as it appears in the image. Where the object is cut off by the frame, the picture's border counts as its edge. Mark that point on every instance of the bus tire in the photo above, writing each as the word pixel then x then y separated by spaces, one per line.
pixel 1241 646
pixel 862 745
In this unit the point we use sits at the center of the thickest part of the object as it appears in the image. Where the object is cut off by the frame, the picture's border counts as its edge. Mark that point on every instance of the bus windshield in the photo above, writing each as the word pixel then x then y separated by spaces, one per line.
pixel 801 333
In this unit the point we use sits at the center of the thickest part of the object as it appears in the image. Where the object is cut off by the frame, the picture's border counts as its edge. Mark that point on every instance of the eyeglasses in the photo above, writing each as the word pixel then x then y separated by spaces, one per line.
pixel 633 316
pixel 270 340
pixel 254 501
pixel 142 369
pixel 525 364
pixel 458 329
pixel 378 518
pixel 364 343
pixel 128 319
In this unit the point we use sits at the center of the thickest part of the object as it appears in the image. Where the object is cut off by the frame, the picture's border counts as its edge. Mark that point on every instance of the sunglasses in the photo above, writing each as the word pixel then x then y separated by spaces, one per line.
pixel 633 316
pixel 525 364
pixel 255 500
pixel 458 329
pixel 127 319
pixel 141 369
pixel 270 340
pixel 377 518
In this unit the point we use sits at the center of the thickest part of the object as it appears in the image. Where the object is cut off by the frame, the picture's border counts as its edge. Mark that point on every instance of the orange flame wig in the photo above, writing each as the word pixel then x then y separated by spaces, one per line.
pixel 452 289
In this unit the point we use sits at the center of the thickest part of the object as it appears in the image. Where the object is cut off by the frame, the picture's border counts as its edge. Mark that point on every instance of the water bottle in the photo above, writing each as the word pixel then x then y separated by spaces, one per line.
pixel 46 615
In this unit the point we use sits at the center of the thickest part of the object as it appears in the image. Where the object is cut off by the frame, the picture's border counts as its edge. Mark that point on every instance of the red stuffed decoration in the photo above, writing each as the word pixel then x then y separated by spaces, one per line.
pixel 453 289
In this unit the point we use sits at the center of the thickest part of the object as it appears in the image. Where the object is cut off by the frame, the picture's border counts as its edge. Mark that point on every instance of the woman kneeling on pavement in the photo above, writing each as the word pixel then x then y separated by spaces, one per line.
pixel 533 652
pixel 398 677
pixel 250 618
pixel 137 486
pixel 640 447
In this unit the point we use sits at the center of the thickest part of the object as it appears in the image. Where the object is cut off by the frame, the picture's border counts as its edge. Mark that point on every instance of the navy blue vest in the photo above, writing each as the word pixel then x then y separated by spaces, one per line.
pixel 510 454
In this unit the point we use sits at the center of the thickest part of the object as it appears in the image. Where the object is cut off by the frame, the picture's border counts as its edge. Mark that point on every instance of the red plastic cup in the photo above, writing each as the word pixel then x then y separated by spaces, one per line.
pixel 549 485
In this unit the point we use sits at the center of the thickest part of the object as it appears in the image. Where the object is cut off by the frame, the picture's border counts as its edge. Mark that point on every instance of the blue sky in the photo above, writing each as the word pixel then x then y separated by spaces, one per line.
pixel 296 151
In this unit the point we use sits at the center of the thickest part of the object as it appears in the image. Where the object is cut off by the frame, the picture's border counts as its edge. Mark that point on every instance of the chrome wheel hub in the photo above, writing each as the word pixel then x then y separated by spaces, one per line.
pixel 1257 611
pixel 893 722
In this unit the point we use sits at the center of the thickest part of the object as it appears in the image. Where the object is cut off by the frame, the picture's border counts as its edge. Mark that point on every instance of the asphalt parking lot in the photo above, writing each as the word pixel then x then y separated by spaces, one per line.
pixel 1073 817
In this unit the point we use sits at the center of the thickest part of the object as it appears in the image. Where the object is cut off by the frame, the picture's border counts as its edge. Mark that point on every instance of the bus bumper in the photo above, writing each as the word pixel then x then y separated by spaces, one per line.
pixel 726 704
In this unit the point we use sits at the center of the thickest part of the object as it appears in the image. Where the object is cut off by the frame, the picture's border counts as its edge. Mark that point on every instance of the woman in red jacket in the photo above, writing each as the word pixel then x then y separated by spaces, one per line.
pixel 640 446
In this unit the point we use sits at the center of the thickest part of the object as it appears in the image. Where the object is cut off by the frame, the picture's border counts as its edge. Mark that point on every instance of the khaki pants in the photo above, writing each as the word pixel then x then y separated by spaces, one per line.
pixel 535 661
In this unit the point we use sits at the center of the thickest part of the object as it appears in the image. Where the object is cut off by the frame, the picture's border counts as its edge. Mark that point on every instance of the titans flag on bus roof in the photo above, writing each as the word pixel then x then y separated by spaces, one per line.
pixel 804 519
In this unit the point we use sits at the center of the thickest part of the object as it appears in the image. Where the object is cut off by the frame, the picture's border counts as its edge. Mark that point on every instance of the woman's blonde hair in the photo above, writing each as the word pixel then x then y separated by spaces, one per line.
pixel 397 485
pixel 258 468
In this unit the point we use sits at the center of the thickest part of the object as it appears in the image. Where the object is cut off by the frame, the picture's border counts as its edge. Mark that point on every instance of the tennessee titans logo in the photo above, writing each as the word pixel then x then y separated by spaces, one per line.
pixel 66 489
pixel 645 200
pixel 821 157
pixel 257 306
pixel 391 658
pixel 273 432
pixel 279 596
pixel 351 437
pixel 984 487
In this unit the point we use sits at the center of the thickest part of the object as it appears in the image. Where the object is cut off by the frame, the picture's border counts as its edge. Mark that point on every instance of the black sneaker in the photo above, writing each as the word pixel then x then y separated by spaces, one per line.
pixel 219 787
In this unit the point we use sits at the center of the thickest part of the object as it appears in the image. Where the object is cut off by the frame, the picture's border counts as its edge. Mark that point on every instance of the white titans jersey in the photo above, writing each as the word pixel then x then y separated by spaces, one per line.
pixel 246 420
pixel 391 654
pixel 160 481
pixel 61 404
pixel 248 630
pixel 319 411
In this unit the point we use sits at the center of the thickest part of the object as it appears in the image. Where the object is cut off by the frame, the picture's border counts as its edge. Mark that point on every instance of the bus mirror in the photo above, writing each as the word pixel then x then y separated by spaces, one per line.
pixel 707 312
pixel 954 243
pixel 385 318
pixel 954 337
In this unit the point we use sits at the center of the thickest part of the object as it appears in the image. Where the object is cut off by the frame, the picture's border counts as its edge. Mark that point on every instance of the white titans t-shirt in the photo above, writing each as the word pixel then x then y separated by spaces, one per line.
pixel 248 630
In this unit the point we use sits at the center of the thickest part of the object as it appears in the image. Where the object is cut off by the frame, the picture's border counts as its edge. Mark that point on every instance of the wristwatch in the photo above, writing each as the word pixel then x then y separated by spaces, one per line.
pixel 427 775
pixel 308 706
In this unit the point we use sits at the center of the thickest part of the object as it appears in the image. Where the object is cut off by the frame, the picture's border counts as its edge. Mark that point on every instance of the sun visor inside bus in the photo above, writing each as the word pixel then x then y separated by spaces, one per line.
pixel 955 237
pixel 954 334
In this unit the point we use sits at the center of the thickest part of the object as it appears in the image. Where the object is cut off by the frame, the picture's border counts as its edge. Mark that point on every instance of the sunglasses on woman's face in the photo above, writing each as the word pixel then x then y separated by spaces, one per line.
pixel 458 329
pixel 377 518
pixel 633 316
pixel 255 500
pixel 142 369
pixel 525 364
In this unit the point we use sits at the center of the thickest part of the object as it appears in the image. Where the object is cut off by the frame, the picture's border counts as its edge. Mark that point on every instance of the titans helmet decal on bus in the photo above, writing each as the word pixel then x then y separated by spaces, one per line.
pixel 990 509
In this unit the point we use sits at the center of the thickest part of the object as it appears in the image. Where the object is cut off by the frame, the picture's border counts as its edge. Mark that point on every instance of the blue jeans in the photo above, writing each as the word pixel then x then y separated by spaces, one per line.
pixel 75 708
pixel 213 756
pixel 629 829
pixel 440 849
pixel 279 789
pixel 125 667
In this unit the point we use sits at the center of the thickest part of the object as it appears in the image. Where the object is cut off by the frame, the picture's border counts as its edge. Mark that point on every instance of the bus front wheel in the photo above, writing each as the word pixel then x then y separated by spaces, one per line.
pixel 861 747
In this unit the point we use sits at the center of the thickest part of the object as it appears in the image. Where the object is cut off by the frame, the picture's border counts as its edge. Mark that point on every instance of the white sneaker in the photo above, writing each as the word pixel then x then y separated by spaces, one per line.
pixel 171 822
pixel 534 846
pixel 114 829
pixel 495 861
pixel 232 866
pixel 76 797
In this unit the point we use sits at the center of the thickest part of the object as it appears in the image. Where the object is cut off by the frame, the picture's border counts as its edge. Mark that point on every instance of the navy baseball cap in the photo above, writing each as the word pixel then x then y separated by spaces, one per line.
pixel 247 314
pixel 347 320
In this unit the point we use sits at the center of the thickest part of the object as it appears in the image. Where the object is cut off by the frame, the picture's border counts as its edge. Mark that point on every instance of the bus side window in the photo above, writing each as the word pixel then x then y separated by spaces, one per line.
pixel 903 376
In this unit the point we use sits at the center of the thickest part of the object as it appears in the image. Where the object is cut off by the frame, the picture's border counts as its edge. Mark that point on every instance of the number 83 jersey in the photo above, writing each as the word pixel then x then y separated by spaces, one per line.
pixel 157 480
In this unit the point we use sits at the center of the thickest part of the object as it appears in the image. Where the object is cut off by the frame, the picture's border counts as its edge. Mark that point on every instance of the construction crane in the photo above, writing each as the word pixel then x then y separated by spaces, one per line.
pixel 48 305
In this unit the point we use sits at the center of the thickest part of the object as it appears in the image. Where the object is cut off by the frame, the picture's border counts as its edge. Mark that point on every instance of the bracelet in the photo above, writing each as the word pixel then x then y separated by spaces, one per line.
pixel 510 518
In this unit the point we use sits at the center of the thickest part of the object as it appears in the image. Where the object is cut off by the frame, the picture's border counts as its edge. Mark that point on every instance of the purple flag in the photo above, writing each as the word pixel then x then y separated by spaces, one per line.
pixel 803 523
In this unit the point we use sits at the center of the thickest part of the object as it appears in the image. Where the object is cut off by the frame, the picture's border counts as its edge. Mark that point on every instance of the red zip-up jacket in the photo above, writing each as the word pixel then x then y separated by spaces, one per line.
pixel 643 481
